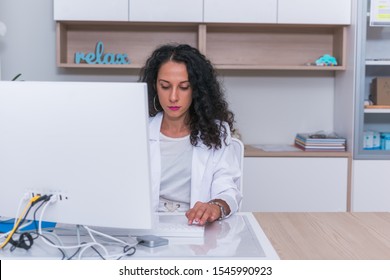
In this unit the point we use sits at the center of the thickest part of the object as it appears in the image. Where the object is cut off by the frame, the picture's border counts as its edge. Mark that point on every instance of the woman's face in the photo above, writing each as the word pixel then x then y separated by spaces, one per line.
pixel 174 90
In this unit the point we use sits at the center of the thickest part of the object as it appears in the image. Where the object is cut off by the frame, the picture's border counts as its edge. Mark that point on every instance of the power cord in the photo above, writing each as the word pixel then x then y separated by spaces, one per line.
pixel 17 222
pixel 25 240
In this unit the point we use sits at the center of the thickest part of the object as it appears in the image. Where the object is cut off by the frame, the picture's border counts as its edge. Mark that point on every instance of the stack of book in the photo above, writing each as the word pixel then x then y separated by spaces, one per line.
pixel 320 142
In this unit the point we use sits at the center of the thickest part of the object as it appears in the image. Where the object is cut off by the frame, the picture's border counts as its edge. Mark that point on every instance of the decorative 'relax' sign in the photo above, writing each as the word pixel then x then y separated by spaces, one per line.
pixel 99 57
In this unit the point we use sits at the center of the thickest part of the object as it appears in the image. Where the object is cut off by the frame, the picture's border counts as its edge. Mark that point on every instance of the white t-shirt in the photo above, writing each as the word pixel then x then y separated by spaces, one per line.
pixel 176 165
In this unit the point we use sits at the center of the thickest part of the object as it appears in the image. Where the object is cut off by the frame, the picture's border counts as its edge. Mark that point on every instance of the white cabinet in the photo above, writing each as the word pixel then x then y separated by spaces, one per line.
pixel 92 10
pixel 228 11
pixel 371 186
pixel 244 11
pixel 314 11
pixel 166 11
pixel 295 184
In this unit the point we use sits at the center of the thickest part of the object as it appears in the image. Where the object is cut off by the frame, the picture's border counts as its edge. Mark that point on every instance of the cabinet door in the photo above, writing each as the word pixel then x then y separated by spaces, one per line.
pixel 103 10
pixel 314 11
pixel 371 187
pixel 166 11
pixel 244 11
pixel 273 184
pixel 373 61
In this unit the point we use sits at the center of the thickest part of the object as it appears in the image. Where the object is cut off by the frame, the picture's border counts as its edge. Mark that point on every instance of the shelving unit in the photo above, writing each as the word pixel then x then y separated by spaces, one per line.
pixel 244 46
pixel 326 180
pixel 311 181
pixel 273 47
pixel 136 40
pixel 373 61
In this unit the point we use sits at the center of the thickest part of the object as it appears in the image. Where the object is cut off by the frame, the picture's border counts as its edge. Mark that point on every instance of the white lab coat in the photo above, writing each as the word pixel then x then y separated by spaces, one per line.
pixel 215 173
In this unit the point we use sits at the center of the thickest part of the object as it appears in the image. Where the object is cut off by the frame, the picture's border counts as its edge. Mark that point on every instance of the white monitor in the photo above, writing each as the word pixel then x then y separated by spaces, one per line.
pixel 86 142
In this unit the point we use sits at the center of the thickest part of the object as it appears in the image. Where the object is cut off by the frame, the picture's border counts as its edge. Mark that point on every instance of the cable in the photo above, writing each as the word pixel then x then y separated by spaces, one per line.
pixel 36 211
pixel 82 247
pixel 25 240
pixel 26 209
pixel 59 249
pixel 41 235
pixel 74 254
pixel 106 235
pixel 91 244
pixel 20 206
pixel 126 248
pixel 35 214
pixel 78 241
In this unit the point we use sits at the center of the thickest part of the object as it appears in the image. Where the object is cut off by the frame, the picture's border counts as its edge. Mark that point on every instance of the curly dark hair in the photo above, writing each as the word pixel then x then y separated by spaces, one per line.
pixel 209 108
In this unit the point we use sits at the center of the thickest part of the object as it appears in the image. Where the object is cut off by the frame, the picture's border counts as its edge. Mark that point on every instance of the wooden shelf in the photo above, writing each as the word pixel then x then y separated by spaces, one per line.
pixel 136 40
pixel 279 67
pixel 284 47
pixel 228 46
pixel 383 109
pixel 378 62
pixel 251 151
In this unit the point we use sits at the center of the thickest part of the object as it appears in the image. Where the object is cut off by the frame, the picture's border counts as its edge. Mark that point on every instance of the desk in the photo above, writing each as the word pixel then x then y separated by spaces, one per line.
pixel 293 235
pixel 324 236
pixel 239 237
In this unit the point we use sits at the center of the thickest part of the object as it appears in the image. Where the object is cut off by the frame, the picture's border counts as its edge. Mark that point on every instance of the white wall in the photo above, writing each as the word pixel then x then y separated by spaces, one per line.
pixel 270 106
pixel 30 44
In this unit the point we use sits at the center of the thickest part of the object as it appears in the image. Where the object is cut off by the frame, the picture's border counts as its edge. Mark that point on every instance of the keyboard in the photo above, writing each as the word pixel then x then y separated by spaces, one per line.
pixel 171 225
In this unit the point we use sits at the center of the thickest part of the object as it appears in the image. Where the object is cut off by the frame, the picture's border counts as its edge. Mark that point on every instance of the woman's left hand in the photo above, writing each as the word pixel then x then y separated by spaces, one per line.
pixel 202 213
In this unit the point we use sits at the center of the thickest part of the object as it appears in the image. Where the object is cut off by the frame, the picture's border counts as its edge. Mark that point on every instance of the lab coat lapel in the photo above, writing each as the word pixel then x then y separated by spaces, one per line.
pixel 199 186
pixel 154 141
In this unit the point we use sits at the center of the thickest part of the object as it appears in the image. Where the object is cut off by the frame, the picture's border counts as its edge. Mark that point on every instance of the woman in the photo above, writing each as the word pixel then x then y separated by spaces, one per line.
pixel 194 167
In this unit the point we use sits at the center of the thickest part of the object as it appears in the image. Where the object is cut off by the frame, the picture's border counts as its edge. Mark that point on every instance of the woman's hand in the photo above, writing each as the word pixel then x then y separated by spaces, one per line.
pixel 202 213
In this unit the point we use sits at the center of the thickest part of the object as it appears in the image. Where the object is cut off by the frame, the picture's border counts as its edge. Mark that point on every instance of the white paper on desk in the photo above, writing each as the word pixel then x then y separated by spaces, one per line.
pixel 380 13
pixel 276 148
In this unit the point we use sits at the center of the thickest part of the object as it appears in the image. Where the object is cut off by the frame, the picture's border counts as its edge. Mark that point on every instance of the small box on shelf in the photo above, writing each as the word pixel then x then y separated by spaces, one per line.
pixel 380 91
pixel 371 140
pixel 374 140
pixel 385 141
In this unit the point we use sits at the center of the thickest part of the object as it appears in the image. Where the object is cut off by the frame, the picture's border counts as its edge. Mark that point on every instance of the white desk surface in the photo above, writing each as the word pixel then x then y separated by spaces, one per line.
pixel 238 237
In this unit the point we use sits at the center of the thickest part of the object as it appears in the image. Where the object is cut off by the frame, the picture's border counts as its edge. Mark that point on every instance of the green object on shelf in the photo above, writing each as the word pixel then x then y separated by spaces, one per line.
pixel 326 60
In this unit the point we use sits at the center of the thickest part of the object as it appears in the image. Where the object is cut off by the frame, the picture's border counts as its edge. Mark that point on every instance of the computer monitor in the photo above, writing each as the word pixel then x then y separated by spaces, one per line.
pixel 85 142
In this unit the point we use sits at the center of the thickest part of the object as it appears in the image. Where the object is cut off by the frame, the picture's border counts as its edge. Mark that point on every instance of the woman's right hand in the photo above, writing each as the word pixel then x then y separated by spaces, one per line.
pixel 203 213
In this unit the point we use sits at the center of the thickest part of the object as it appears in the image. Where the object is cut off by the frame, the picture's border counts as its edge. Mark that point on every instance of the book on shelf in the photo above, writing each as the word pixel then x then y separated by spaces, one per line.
pixel 320 142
